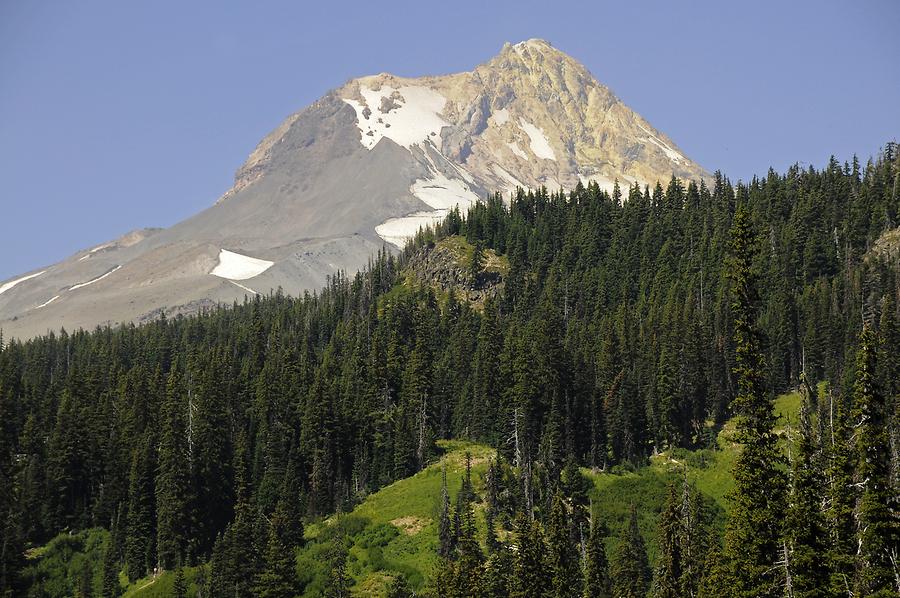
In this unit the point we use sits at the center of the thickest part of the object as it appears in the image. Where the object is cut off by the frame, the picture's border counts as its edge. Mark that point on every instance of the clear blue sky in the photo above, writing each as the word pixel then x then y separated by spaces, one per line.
pixel 118 115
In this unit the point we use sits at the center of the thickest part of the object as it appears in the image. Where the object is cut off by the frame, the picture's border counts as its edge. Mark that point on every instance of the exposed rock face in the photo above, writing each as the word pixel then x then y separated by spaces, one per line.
pixel 364 166
pixel 534 116
pixel 446 267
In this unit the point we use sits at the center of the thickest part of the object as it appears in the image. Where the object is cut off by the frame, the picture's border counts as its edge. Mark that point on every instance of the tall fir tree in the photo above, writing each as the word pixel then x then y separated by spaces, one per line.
pixel 878 535
pixel 338 578
pixel 179 585
pixel 597 583
pixel 630 569
pixel 172 478
pixel 140 544
pixel 278 578
pixel 446 544
pixel 753 532
pixel 530 578
pixel 564 562
pixel 669 562
pixel 841 498
pixel 805 531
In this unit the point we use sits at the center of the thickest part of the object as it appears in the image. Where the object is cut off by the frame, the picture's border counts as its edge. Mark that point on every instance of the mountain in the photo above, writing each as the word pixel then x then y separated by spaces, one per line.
pixel 601 349
pixel 364 166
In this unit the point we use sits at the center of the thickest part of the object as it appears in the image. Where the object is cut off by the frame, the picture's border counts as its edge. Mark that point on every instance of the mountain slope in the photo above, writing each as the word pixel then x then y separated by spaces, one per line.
pixel 366 165
pixel 394 531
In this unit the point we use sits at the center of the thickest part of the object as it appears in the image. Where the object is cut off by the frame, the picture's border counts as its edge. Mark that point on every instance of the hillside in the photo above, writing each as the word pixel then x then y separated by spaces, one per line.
pixel 615 334
pixel 393 532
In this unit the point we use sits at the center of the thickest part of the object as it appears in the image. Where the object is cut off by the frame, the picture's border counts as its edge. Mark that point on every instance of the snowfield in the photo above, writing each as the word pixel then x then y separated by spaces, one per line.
pixel 438 192
pixel 397 231
pixel 670 153
pixel 93 251
pixel 442 193
pixel 499 118
pixel 48 302
pixel 7 286
pixel 540 145
pixel 517 150
pixel 234 266
pixel 512 182
pixel 407 116
pixel 92 281
pixel 248 289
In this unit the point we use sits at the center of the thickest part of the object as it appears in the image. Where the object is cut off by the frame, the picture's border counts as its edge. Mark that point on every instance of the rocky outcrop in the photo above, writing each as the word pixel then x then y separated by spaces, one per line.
pixel 447 266
pixel 534 116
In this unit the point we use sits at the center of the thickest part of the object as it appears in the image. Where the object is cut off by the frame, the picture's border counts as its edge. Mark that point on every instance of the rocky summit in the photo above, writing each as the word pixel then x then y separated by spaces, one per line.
pixel 362 168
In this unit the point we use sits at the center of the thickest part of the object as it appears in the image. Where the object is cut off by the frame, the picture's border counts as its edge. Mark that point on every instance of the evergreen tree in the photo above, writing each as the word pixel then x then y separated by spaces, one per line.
pixel 669 568
pixel 110 586
pixel 597 583
pixel 445 530
pixel 172 481
pixel 286 521
pixel 630 569
pixel 878 534
pixel 140 545
pixel 753 532
pixel 575 487
pixel 564 570
pixel 278 576
pixel 496 579
pixel 841 503
pixel 338 578
pixel 530 578
pixel 179 586
pixel 467 560
pixel 695 538
pixel 805 525
pixel 717 576
pixel 399 588
pixel 476 264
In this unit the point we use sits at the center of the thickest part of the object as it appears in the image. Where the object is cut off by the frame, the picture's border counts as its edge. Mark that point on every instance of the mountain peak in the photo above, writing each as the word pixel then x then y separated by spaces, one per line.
pixel 535 43
pixel 536 52
pixel 366 164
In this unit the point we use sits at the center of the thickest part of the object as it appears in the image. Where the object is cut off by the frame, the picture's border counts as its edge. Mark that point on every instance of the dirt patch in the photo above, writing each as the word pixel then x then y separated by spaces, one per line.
pixel 411 525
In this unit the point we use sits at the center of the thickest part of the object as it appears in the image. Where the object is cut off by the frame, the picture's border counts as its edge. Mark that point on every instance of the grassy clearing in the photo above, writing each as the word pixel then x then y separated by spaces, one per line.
pixel 394 531
pixel 160 586
pixel 708 469
pixel 462 251
pixel 67 564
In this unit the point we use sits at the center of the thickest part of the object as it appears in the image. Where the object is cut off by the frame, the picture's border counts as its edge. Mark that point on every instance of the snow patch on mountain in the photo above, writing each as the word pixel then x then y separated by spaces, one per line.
pixel 408 115
pixel 517 150
pixel 94 250
pixel 48 302
pixel 7 286
pixel 235 266
pixel 540 145
pixel 673 155
pixel 512 182
pixel 93 280
pixel 438 192
pixel 442 193
pixel 397 231
pixel 499 117
pixel 248 289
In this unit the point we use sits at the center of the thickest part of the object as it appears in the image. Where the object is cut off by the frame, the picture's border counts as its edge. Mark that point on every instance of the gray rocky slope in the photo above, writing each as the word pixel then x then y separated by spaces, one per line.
pixel 360 169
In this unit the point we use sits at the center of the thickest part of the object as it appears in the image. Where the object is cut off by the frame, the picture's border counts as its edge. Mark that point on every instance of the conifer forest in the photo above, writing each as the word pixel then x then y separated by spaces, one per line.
pixel 579 341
